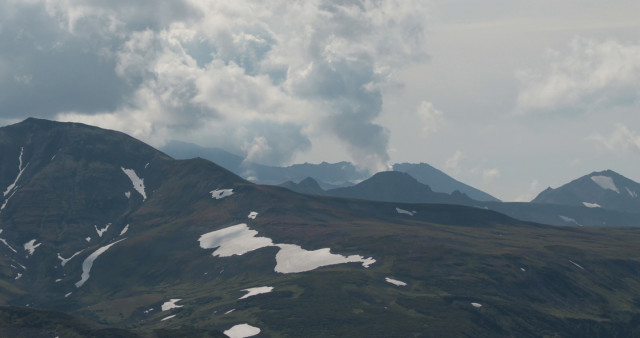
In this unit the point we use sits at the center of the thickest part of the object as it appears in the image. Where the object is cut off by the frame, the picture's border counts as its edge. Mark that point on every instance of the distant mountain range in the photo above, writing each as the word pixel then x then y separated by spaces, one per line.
pixel 327 175
pixel 399 187
pixel 590 200
pixel 386 186
pixel 131 242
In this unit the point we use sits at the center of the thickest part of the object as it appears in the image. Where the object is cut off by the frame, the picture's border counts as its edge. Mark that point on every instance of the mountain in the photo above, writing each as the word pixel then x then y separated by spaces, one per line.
pixel 307 186
pixel 605 189
pixel 184 151
pixel 328 175
pixel 441 182
pixel 395 186
pixel 102 227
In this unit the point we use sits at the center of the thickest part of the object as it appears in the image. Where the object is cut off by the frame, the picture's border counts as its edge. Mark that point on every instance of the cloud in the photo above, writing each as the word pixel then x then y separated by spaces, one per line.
pixel 198 70
pixel 489 175
pixel 592 74
pixel 620 140
pixel 45 70
pixel 453 162
pixel 534 189
pixel 432 119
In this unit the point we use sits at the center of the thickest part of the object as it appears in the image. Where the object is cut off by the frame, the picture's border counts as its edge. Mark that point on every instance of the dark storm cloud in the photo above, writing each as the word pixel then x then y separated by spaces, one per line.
pixel 272 72
pixel 48 71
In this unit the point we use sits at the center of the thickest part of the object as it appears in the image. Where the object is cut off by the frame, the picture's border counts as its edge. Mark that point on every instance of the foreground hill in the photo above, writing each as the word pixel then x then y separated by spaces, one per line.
pixel 105 228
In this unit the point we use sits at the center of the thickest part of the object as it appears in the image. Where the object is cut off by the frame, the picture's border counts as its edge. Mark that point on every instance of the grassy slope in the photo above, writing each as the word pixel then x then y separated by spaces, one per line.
pixel 479 256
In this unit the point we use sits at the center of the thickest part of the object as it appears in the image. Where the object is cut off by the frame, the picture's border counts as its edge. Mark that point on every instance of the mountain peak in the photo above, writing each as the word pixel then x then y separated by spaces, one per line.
pixel 396 186
pixel 603 189
pixel 307 186
pixel 441 182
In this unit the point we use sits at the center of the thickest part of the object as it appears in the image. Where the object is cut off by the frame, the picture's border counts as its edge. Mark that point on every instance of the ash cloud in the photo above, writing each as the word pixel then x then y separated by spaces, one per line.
pixel 260 76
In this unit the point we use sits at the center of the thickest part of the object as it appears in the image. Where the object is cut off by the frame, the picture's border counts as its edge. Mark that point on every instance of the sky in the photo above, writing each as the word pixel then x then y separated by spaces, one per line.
pixel 509 96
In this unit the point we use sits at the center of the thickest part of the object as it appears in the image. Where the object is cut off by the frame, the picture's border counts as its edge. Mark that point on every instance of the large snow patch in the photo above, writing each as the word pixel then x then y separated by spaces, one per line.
pixel 88 262
pixel 605 182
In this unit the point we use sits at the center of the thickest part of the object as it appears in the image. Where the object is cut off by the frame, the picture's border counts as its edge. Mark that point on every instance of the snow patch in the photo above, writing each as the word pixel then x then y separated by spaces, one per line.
pixel 88 262
pixel 58 280
pixel 568 220
pixel 406 212
pixel 234 240
pixel 124 231
pixel 127 194
pixel 293 259
pixel 576 264
pixel 395 281
pixel 31 246
pixel 228 312
pixel 18 276
pixel 138 183
pixel 242 331
pixel 4 241
pixel 88 239
pixel 20 171
pixel 171 304
pixel 103 230
pixel 476 305
pixel 221 193
pixel 4 205
pixel 240 239
pixel 591 205
pixel 65 260
pixel 632 193
pixel 253 215
pixel 167 318
pixel 68 294
pixel 605 182
pixel 256 291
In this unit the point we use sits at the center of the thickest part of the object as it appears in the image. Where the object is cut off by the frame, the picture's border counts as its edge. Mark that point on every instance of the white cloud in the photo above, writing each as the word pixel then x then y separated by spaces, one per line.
pixel 432 119
pixel 453 162
pixel 182 69
pixel 256 149
pixel 592 74
pixel 620 140
pixel 489 175
pixel 534 188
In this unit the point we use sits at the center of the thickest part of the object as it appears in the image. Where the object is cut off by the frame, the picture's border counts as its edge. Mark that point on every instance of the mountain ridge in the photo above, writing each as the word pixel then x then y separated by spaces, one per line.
pixel 599 189
pixel 180 244
pixel 328 175
pixel 395 186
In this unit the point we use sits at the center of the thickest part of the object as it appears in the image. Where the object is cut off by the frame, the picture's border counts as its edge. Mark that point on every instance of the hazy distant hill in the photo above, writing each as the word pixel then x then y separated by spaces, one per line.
pixel 395 186
pixel 327 175
pixel 441 182
pixel 307 186
pixel 605 189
